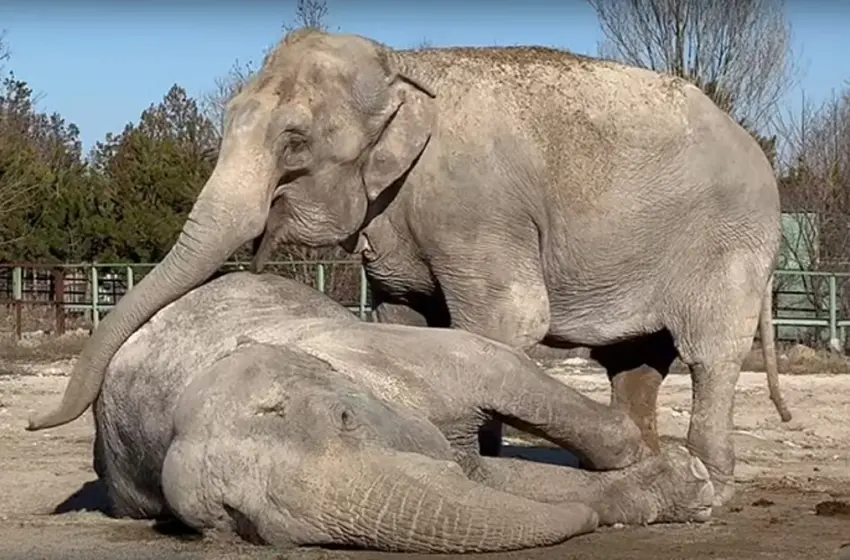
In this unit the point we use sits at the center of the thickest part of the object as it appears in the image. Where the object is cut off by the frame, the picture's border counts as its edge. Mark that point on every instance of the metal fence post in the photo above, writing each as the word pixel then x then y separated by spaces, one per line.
pixel 95 296
pixel 364 292
pixel 130 279
pixel 17 283
pixel 834 342
pixel 18 296
pixel 320 277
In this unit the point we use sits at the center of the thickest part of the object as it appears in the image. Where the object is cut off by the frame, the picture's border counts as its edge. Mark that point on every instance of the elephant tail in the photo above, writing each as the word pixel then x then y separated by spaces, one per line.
pixel 769 352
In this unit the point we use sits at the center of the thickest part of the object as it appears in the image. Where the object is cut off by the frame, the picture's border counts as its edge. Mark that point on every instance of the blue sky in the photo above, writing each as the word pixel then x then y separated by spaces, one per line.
pixel 100 63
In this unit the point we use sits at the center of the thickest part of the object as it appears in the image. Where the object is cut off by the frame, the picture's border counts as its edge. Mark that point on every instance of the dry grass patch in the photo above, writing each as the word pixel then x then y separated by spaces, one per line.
pixel 42 348
pixel 799 359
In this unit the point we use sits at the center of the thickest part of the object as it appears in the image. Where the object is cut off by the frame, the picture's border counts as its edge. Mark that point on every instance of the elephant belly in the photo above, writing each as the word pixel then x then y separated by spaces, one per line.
pixel 590 321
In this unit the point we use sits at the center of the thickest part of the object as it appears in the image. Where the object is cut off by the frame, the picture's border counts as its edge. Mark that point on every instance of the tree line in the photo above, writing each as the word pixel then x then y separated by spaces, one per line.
pixel 126 199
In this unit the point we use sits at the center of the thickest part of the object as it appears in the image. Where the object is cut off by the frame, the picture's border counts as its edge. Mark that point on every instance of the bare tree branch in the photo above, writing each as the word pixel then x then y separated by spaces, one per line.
pixel 14 191
pixel 424 45
pixel 214 102
pixel 815 188
pixel 737 51
pixel 311 14
pixel 5 52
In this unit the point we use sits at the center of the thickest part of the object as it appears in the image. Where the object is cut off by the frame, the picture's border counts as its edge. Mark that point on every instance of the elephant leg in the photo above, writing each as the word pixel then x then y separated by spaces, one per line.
pixel 419 311
pixel 496 289
pixel 711 424
pixel 399 314
pixel 513 308
pixel 516 391
pixel 669 487
pixel 490 434
pixel 713 341
pixel 636 369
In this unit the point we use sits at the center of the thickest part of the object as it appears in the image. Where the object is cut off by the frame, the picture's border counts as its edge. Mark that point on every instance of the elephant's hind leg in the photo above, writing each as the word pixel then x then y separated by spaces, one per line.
pixel 713 338
pixel 636 369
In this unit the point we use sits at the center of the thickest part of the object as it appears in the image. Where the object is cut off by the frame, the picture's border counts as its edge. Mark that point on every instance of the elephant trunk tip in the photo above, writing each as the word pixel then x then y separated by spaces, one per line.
pixel 52 419
pixel 256 267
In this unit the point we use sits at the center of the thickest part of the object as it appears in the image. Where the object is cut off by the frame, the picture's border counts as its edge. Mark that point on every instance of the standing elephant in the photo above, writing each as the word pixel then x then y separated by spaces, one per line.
pixel 262 407
pixel 525 194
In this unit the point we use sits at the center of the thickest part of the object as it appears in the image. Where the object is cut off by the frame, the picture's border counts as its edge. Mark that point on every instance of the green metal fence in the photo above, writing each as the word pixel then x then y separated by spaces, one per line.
pixel 813 307
pixel 812 304
pixel 92 289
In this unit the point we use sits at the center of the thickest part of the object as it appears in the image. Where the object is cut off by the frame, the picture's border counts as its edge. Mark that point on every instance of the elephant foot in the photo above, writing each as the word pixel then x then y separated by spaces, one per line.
pixel 671 487
pixel 723 478
pixel 724 488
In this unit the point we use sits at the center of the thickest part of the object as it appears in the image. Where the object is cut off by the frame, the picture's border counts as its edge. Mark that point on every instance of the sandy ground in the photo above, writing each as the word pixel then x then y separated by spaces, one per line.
pixel 784 472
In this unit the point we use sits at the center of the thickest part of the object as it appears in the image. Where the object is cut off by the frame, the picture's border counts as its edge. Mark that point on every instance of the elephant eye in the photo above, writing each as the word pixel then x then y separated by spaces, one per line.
pixel 297 152
pixel 346 419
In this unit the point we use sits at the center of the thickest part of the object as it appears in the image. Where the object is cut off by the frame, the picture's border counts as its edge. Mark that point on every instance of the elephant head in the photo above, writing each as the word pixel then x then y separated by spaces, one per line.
pixel 326 126
pixel 275 445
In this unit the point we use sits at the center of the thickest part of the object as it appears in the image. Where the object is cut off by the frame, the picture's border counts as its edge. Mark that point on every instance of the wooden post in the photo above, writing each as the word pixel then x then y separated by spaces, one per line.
pixel 19 327
pixel 59 299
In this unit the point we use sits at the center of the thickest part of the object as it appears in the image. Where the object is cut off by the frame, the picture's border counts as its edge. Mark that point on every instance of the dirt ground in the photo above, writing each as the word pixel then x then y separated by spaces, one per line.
pixel 784 470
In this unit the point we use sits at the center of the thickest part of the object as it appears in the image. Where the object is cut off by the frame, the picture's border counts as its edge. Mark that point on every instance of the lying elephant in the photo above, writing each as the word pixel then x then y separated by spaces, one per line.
pixel 544 197
pixel 255 404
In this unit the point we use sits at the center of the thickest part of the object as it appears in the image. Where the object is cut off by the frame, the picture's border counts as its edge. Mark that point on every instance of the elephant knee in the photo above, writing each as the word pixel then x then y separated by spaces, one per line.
pixel 524 320
pixel 399 315
pixel 516 314
pixel 513 335
pixel 529 308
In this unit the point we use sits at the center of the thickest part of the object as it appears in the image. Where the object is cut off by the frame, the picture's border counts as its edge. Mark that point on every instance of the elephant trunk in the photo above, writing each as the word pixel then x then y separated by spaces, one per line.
pixel 262 249
pixel 425 506
pixel 214 230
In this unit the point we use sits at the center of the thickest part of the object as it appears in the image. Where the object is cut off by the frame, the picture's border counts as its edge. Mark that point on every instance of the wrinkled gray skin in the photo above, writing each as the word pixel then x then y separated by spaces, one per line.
pixel 528 195
pixel 257 405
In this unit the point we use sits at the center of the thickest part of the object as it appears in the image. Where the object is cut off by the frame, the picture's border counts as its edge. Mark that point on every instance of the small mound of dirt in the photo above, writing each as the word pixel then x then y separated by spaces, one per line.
pixel 801 353
pixel 761 502
pixel 833 508
pixel 799 359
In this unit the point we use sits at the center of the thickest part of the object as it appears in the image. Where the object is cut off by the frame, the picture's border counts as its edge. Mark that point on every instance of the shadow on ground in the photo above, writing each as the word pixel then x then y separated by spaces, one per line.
pixel 541 454
pixel 91 496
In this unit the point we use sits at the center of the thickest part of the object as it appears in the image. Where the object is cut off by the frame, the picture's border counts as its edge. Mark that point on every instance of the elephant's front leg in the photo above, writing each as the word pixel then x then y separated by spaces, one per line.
pixel 386 311
pixel 489 434
pixel 636 369
pixel 398 314
pixel 506 301
pixel 421 311
pixel 502 297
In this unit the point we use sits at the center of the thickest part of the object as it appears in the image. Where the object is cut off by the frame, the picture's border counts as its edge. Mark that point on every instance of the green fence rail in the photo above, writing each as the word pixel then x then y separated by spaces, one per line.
pixel 813 304
pixel 813 300
pixel 93 289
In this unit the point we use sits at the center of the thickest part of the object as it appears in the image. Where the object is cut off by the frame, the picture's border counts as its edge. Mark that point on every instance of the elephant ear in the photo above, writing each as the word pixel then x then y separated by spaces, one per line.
pixel 242 340
pixel 405 134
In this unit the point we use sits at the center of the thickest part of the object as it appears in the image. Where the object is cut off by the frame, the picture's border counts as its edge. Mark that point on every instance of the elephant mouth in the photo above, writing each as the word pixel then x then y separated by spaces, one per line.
pixel 359 244
pixel 261 249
